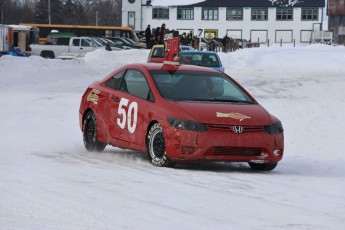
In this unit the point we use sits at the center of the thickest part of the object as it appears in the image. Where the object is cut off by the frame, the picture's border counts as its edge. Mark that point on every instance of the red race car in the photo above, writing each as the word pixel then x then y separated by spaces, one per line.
pixel 179 113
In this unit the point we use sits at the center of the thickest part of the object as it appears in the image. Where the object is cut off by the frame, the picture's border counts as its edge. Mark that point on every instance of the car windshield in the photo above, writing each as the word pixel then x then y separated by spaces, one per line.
pixel 200 59
pixel 198 86
pixel 158 52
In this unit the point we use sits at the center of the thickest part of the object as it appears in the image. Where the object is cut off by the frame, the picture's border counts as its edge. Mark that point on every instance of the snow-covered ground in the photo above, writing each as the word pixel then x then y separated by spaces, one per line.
pixel 49 181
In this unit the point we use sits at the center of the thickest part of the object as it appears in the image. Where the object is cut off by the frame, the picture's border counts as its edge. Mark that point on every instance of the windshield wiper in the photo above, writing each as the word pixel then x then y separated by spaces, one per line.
pixel 232 100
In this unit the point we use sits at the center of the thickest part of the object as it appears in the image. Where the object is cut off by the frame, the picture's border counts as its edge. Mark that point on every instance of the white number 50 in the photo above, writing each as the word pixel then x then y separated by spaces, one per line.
pixel 131 117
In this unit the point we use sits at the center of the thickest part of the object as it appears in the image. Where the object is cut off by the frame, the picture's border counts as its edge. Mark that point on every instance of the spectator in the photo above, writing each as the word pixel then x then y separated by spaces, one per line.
pixel 148 35
pixel 161 34
pixel 108 47
pixel 152 41
pixel 226 41
pixel 158 29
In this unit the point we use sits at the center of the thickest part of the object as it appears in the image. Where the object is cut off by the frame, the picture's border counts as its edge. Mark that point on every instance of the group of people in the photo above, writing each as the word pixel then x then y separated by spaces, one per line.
pixel 156 37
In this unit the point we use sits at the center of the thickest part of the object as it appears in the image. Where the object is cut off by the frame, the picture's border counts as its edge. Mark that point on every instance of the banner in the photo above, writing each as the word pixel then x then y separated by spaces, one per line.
pixel 171 46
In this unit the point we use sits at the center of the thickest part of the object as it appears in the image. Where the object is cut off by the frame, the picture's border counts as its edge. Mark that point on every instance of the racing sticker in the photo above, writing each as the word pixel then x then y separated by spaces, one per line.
pixel 237 116
pixel 93 96
pixel 130 117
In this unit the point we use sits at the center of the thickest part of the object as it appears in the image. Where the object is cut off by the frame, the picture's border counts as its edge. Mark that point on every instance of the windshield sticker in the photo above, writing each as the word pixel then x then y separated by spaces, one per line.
pixel 93 96
pixel 237 116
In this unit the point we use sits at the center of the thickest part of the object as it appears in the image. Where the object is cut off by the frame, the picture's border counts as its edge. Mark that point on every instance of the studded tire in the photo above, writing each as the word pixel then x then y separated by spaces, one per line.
pixel 156 147
pixel 91 142
pixel 262 167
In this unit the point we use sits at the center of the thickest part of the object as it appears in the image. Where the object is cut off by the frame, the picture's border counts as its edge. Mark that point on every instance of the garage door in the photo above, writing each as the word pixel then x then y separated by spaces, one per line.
pixel 237 34
pixel 284 36
pixel 258 36
pixel 306 35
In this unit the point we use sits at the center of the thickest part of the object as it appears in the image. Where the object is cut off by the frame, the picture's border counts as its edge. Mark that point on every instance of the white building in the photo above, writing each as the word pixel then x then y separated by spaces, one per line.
pixel 271 21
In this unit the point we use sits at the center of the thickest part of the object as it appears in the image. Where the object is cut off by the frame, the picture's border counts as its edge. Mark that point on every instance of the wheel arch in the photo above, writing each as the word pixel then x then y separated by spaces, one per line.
pixel 101 135
pixel 47 54
pixel 148 129
pixel 83 117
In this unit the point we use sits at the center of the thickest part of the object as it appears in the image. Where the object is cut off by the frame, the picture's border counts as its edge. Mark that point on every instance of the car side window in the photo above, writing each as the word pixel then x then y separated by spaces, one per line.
pixel 76 42
pixel 135 84
pixel 85 42
pixel 114 81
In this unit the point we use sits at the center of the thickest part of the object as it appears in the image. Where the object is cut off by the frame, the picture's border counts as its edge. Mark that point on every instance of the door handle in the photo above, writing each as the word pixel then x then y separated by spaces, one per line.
pixel 116 99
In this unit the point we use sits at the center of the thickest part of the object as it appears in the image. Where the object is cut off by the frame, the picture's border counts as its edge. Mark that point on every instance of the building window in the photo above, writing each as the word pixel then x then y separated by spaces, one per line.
pixel 259 14
pixel 234 14
pixel 131 19
pixel 185 14
pixel 310 14
pixel 210 13
pixel 160 13
pixel 284 14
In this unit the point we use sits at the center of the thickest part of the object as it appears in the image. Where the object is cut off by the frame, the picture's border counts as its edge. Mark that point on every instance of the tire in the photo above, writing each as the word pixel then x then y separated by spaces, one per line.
pixel 47 54
pixel 156 147
pixel 262 167
pixel 90 133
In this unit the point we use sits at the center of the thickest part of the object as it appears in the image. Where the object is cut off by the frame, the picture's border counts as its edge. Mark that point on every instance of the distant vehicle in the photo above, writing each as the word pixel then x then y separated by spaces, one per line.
pixel 179 113
pixel 66 47
pixel 105 41
pixel 17 37
pixel 184 47
pixel 133 42
pixel 156 54
pixel 125 42
pixel 201 58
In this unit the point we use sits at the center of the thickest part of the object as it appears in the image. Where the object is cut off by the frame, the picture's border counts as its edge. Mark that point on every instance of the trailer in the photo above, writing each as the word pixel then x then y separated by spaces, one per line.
pixel 6 39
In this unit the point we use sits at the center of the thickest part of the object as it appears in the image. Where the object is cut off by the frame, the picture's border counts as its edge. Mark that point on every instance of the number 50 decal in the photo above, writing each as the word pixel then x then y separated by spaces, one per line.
pixel 131 117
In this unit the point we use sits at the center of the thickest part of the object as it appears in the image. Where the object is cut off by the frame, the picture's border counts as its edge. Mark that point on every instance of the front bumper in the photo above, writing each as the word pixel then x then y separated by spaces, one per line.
pixel 215 145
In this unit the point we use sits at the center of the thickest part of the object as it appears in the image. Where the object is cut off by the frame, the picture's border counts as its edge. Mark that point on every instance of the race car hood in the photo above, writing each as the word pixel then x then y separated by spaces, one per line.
pixel 230 114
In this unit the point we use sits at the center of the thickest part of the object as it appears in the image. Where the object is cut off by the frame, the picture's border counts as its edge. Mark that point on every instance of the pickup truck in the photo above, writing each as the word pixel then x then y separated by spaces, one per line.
pixel 65 47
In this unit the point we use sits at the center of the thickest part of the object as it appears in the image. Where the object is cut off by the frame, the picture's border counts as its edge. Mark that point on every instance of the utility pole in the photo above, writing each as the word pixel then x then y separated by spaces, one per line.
pixel 96 18
pixel 49 15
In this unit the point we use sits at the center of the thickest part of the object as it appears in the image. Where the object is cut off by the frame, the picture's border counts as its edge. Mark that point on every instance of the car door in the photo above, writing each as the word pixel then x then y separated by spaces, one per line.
pixel 127 108
pixel 85 45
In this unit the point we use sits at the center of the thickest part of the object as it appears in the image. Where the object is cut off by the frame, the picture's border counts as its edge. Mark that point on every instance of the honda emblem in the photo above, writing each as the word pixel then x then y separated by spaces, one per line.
pixel 237 129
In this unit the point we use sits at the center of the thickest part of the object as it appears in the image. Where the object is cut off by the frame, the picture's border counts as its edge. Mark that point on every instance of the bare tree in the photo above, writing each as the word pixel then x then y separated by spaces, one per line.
pixel 80 12
pixel 109 12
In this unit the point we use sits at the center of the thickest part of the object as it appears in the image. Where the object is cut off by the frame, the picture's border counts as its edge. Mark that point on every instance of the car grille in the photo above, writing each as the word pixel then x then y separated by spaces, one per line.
pixel 230 128
pixel 234 151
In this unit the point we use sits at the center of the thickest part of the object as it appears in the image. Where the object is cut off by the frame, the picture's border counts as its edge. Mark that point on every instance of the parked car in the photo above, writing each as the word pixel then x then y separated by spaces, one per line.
pixel 113 45
pixel 179 113
pixel 201 58
pixel 125 42
pixel 156 54
pixel 184 47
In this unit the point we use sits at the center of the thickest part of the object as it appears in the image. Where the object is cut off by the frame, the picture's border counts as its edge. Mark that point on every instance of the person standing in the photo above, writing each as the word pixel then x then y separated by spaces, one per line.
pixel 158 29
pixel 148 36
pixel 108 47
pixel 161 34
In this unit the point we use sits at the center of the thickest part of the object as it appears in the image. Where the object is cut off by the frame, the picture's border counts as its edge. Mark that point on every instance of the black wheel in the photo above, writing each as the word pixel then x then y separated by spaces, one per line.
pixel 90 133
pixel 262 167
pixel 156 147
pixel 47 54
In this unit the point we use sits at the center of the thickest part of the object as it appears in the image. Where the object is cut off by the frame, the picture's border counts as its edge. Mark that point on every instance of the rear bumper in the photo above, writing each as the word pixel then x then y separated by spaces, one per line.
pixel 213 145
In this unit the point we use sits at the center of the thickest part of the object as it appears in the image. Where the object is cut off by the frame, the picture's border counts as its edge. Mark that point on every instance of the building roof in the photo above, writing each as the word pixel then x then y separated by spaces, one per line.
pixel 260 3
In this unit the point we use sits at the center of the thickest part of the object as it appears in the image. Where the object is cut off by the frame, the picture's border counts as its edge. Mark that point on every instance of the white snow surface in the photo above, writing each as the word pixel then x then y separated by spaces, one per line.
pixel 49 181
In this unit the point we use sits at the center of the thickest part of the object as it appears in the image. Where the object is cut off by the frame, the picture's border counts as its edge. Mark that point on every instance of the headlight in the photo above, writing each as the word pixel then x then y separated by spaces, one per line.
pixel 186 124
pixel 274 128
